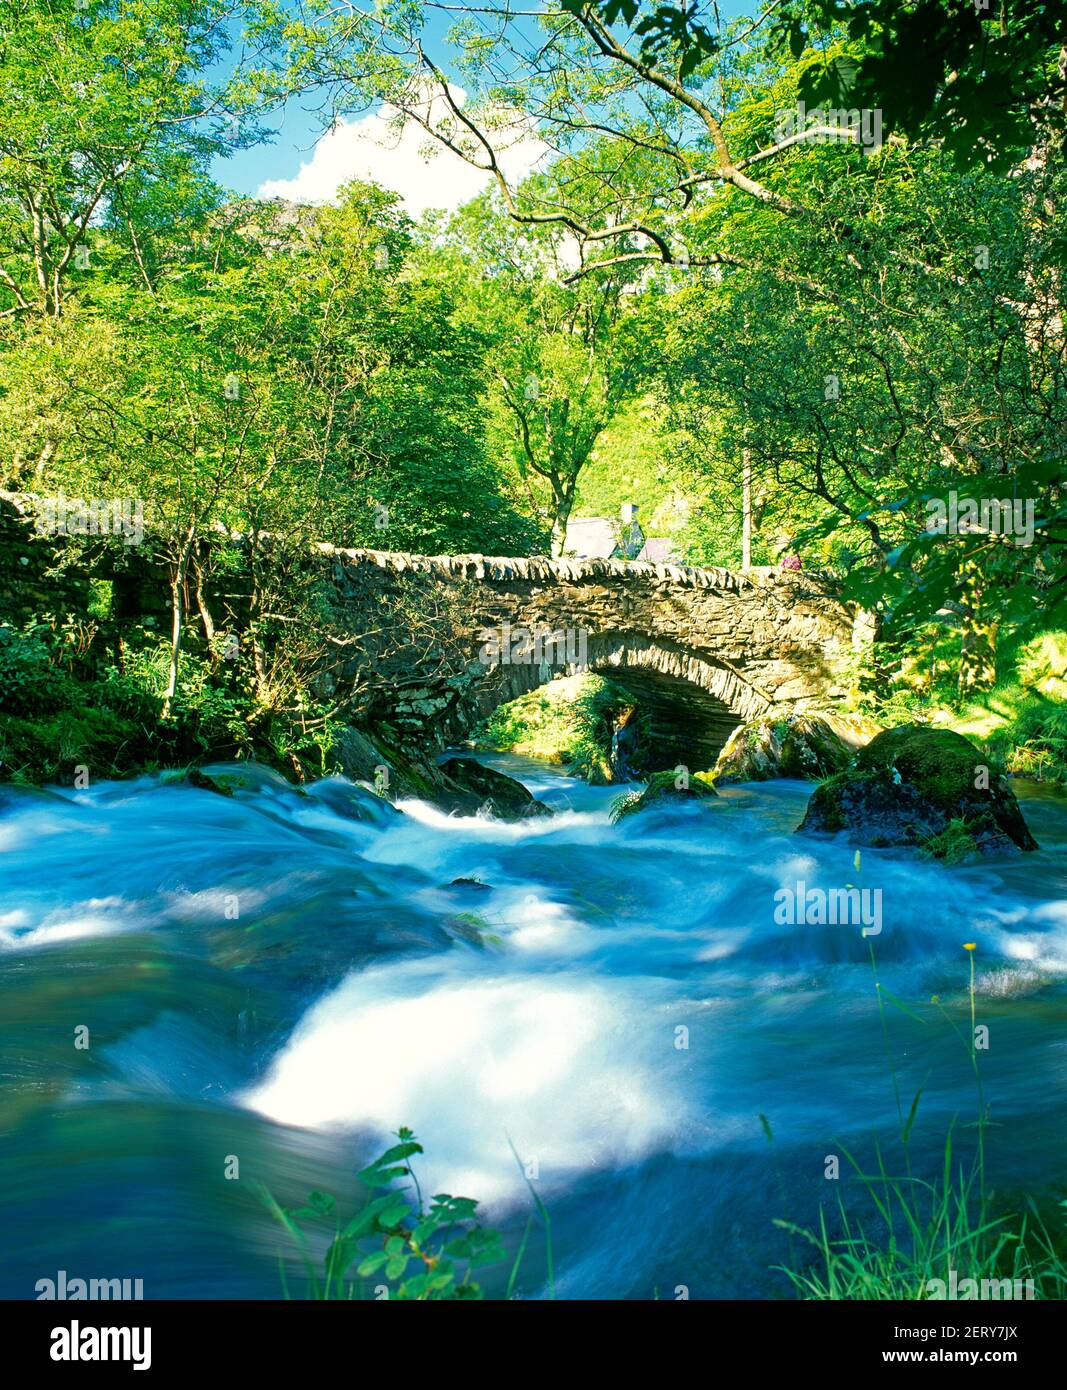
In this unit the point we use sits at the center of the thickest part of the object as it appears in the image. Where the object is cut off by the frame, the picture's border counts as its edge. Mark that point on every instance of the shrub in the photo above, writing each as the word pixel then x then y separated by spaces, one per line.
pixel 31 682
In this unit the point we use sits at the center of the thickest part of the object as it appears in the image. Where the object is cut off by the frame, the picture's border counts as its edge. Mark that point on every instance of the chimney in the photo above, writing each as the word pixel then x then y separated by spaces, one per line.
pixel 628 513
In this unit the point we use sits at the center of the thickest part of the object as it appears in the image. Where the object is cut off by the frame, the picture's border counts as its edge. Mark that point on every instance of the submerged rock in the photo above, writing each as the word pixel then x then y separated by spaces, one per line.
pixel 471 787
pixel 352 802
pixel 810 746
pixel 227 779
pixel 929 788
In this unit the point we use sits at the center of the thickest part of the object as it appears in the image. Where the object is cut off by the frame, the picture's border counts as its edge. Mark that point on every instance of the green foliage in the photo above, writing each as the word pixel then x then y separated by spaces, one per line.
pixel 64 703
pixel 670 33
pixel 1041 665
pixel 968 75
pixel 944 1226
pixel 416 1250
pixel 569 721
pixel 954 845
pixel 30 681
pixel 1020 723
pixel 109 108
pixel 1034 742
pixel 629 323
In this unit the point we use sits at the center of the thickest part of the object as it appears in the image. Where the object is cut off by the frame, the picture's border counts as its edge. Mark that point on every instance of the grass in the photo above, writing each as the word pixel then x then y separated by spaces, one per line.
pixel 932 1234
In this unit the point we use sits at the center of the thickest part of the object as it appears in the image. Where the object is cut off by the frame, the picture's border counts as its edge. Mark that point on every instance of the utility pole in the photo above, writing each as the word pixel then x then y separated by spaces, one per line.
pixel 746 509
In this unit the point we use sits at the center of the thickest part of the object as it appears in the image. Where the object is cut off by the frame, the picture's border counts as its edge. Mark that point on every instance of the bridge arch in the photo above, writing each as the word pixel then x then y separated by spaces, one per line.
pixel 692 701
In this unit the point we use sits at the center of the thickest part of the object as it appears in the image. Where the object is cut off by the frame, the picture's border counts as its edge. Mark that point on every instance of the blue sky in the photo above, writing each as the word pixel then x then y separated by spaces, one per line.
pixel 306 164
pixel 361 147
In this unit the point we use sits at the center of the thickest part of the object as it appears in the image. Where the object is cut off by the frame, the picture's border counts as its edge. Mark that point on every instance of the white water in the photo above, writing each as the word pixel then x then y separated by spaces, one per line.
pixel 352 996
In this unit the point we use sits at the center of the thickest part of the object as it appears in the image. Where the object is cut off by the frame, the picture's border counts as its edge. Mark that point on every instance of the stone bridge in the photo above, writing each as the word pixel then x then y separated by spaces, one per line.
pixel 700 649
pixel 428 646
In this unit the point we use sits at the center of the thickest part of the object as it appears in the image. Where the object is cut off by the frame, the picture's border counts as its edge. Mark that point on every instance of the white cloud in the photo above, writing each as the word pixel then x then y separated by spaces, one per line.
pixel 409 161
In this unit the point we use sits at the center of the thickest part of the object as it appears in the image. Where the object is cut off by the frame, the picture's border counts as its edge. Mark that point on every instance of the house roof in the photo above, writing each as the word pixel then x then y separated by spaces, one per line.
pixel 592 538
pixel 658 550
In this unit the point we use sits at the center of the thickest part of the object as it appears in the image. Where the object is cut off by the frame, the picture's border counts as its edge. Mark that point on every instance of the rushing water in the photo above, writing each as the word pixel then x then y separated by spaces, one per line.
pixel 284 977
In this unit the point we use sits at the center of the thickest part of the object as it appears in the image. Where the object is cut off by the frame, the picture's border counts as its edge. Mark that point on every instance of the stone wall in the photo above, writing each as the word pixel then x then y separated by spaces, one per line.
pixel 45 573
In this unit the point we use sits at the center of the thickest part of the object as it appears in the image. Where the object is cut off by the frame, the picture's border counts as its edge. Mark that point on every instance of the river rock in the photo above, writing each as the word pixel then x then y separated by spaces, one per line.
pixel 357 803
pixel 810 746
pixel 227 779
pixel 471 787
pixel 365 755
pixel 663 787
pixel 925 787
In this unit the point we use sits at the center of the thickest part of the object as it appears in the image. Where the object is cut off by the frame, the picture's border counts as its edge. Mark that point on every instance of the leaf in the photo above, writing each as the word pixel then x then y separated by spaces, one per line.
pixel 380 1177
pixel 397 1152
pixel 366 1219
pixel 339 1256
pixel 911 1114
pixel 394 1214
pixel 372 1264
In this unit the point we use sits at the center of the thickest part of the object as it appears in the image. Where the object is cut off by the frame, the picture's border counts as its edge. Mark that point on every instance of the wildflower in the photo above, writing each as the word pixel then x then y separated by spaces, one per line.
pixel 969 945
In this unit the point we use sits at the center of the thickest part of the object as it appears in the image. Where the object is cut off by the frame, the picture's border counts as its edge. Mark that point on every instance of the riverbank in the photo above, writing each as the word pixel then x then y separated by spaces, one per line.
pixel 64 720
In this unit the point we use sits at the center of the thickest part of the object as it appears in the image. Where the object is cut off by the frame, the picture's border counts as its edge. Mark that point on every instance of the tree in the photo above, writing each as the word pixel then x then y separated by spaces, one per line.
pixel 288 376
pixel 975 75
pixel 563 357
pixel 106 108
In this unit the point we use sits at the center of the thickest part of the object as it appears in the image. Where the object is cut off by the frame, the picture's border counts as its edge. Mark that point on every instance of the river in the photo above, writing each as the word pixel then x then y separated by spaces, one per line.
pixel 202 993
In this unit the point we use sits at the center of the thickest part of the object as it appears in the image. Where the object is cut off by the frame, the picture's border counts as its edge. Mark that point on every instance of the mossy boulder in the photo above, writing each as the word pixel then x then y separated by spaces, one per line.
pixel 664 787
pixel 471 788
pixel 227 779
pixel 370 756
pixel 923 787
pixel 807 746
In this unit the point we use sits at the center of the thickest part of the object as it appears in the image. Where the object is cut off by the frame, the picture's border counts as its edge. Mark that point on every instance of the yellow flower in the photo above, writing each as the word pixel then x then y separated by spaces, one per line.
pixel 969 945
pixel 935 999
